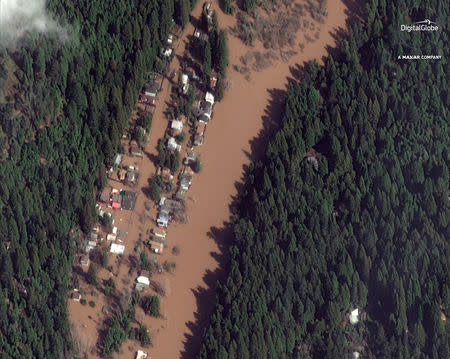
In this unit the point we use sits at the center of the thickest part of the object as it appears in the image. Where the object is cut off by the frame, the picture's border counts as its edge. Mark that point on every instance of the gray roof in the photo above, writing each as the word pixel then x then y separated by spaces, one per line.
pixel 152 87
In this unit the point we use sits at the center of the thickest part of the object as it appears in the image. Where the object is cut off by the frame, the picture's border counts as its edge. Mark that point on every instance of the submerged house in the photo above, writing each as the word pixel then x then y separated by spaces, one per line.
pixel 141 354
pixel 152 88
pixel 205 108
pixel 117 248
pixel 184 83
pixel 159 234
pixel 185 181
pixel 177 127
pixel 200 132
pixel 156 247
pixel 172 145
pixel 191 157
pixel 84 260
pixel 163 219
pixel 116 199
pixel 135 150
pixel 143 280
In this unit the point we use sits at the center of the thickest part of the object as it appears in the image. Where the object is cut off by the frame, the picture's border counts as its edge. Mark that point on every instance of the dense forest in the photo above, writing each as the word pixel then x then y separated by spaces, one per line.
pixel 63 109
pixel 349 208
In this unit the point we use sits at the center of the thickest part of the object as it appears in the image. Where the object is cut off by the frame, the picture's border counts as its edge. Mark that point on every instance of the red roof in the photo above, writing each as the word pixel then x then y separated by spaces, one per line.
pixel 115 205
pixel 311 153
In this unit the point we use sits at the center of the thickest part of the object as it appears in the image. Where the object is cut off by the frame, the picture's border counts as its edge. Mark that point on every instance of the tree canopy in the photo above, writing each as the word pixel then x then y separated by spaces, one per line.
pixel 62 115
pixel 348 208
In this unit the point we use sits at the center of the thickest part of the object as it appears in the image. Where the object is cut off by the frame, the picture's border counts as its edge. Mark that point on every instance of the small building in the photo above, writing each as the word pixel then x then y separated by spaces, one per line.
pixel 170 205
pixel 135 150
pixel 116 199
pixel 152 88
pixel 84 260
pixel 181 194
pixel 205 107
pixel 200 133
pixel 191 157
pixel 129 200
pixel 209 97
pixel 90 246
pixel 207 10
pixel 199 34
pixel 167 52
pixel 354 316
pixel 163 219
pixel 111 237
pixel 122 174
pixel 159 234
pixel 147 100
pixel 191 74
pixel 117 159
pixel 184 83
pixel 170 39
pixel 144 278
pixel 213 81
pixel 185 181
pixel 156 247
pixel 93 237
pixel 166 175
pixel 172 145
pixel 131 175
pixel 141 355
pixel 312 156
pixel 177 127
pixel 76 296
pixel 117 248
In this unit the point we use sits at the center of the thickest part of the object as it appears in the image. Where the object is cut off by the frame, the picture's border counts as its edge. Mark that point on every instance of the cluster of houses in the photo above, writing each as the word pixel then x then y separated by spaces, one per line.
pixel 119 198
pixel 174 209
pixel 108 235
pixel 205 110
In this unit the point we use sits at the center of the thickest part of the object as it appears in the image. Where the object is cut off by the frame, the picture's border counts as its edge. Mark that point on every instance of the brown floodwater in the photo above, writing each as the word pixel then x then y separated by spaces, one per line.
pixel 236 135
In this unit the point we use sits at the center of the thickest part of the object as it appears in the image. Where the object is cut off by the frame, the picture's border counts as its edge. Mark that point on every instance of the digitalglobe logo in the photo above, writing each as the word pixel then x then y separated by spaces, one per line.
pixel 424 25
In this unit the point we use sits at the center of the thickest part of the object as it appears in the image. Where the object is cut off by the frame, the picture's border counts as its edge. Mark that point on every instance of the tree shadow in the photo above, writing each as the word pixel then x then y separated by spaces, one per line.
pixel 206 295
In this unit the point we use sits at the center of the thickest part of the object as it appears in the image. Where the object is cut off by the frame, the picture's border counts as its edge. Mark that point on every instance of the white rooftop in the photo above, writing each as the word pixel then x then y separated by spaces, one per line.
pixel 141 354
pixel 177 125
pixel 173 145
pixel 167 52
pixel 209 97
pixel 354 316
pixel 143 280
pixel 117 248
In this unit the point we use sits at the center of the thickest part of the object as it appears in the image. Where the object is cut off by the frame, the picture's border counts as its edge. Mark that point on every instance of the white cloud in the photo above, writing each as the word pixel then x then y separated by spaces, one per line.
pixel 20 16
